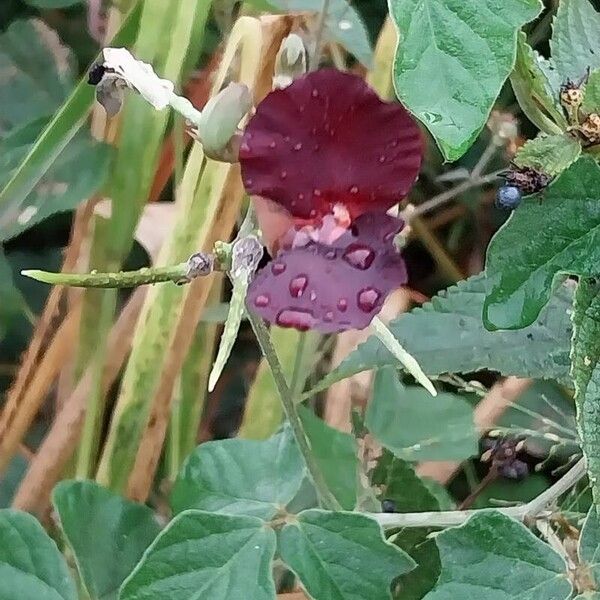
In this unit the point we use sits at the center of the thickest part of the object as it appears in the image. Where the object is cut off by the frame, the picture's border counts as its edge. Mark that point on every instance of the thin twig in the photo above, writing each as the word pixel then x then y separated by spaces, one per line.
pixel 536 508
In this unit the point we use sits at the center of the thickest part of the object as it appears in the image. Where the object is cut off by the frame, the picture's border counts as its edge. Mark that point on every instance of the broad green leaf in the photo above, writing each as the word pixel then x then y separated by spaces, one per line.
pixel 78 172
pixel 440 493
pixel 11 300
pixel 522 267
pixel 341 556
pixel 585 358
pixel 588 596
pixel 447 335
pixel 336 454
pixel 534 91
pixel 414 425
pixel 31 567
pixel 452 60
pixel 399 483
pixel 591 97
pixel 493 557
pixel 61 129
pixel 589 544
pixel 549 154
pixel 343 24
pixel 201 555
pixel 241 477
pixel 36 74
pixel 510 491
pixel 107 534
pixel 575 42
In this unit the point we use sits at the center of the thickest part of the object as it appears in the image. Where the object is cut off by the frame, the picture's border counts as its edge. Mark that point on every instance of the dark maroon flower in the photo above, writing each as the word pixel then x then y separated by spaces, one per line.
pixel 332 286
pixel 329 140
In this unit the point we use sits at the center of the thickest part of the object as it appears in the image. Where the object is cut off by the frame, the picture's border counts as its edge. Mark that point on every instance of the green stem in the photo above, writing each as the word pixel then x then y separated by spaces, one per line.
pixel 298 365
pixel 122 279
pixel 327 499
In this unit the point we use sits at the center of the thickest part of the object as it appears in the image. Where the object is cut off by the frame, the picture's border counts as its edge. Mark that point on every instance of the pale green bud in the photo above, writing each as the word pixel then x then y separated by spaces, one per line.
pixel 291 61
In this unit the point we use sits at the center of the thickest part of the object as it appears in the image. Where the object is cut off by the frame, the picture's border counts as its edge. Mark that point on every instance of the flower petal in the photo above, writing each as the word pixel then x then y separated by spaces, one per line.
pixel 333 287
pixel 328 139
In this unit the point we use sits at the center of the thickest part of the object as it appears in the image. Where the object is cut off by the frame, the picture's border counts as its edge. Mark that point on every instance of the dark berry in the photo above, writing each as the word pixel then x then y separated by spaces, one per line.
pixel 388 506
pixel 96 74
pixel 508 197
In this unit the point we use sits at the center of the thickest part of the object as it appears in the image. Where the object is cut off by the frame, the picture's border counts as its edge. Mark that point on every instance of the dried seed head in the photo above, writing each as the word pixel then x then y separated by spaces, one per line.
pixel 571 95
pixel 590 128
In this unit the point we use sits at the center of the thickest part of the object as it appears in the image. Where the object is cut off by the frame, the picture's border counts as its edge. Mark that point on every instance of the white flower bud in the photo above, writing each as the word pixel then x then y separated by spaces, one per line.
pixel 291 61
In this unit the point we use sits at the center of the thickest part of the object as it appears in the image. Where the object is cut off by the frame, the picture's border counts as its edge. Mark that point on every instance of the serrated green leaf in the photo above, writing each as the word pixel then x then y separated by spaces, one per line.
pixel 336 454
pixel 399 483
pixel 575 42
pixel 549 154
pixel 534 91
pixel 202 555
pixel 107 534
pixel 343 24
pixel 589 544
pixel 31 567
pixel 240 477
pixel 585 356
pixel 341 556
pixel 36 73
pixel 78 172
pixel 493 557
pixel 522 267
pixel 452 60
pixel 447 335
pixel 414 425
pixel 591 95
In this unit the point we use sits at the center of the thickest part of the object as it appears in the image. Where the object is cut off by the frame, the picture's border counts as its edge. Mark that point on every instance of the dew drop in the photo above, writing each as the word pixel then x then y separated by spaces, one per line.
pixel 313 295
pixel 287 138
pixel 277 268
pixel 249 182
pixel 272 145
pixel 299 319
pixel 298 146
pixel 262 301
pixel 315 93
pixel 300 196
pixel 298 285
pixel 328 317
pixel 354 189
pixel 330 254
pixel 312 214
pixel 283 174
pixel 317 192
pixel 345 25
pixel 359 256
pixel 368 298
pixel 342 304
pixel 382 159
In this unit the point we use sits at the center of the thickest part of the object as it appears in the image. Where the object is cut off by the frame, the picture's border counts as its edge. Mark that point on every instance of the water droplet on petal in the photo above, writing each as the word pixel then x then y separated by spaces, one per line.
pixel 315 93
pixel 342 304
pixel 299 319
pixel 272 145
pixel 262 301
pixel 354 189
pixel 249 182
pixel 359 256
pixel 300 196
pixel 313 295
pixel 277 268
pixel 298 146
pixel 328 317
pixel 382 159
pixel 330 254
pixel 368 298
pixel 316 147
pixel 317 192
pixel 287 138
pixel 298 285
pixel 312 214
pixel 283 174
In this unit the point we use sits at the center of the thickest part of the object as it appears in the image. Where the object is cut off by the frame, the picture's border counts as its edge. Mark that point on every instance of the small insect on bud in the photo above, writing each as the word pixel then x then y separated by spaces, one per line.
pixel 590 128
pixel 527 179
pixel 291 61
pixel 96 73
pixel 218 124
pixel 508 197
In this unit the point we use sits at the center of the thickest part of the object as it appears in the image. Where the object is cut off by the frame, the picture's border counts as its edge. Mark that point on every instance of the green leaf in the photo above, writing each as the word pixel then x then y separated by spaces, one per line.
pixel 589 544
pixel 575 43
pixel 53 3
pixel 591 95
pixel 241 477
pixel 585 356
pixel 522 267
pixel 534 90
pixel 37 73
pixel 588 596
pixel 31 567
pixel 12 302
pixel 107 534
pixel 341 556
pixel 336 454
pixel 447 335
pixel 549 154
pixel 416 426
pixel 343 24
pixel 202 555
pixel 398 482
pixel 493 557
pixel 452 60
pixel 78 172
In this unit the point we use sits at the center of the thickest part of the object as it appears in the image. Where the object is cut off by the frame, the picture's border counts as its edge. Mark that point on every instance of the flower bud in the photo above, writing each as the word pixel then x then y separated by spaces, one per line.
pixel 218 124
pixel 290 62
